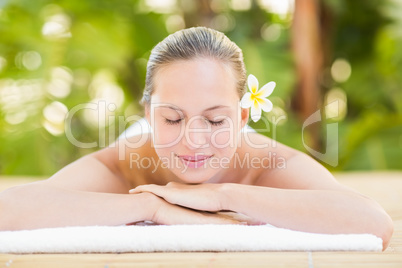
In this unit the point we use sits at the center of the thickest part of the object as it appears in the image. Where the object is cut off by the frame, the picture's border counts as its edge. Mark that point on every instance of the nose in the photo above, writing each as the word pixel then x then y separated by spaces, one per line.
pixel 196 133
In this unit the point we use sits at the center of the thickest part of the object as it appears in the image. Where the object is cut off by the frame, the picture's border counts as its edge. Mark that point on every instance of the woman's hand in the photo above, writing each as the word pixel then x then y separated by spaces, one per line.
pixel 204 197
pixel 165 213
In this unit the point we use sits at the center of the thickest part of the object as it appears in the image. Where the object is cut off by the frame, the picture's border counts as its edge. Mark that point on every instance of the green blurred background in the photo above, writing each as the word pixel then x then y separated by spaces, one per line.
pixel 55 55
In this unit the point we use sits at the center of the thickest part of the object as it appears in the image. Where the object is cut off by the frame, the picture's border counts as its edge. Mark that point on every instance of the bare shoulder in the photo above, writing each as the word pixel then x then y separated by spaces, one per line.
pixel 289 168
pixel 271 154
pixel 107 170
pixel 262 145
pixel 125 156
pixel 258 154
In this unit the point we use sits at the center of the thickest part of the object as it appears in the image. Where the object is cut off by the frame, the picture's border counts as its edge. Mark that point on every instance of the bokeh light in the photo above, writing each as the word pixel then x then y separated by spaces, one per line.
pixel 57 22
pixel 61 79
pixel 54 115
pixel 282 7
pixel 341 70
pixel 29 60
pixel 175 23
pixel 240 5
pixel 271 32
pixel 339 110
pixel 161 6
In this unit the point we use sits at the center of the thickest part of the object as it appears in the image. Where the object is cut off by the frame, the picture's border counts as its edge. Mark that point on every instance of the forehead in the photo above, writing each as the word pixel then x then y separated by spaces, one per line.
pixel 195 82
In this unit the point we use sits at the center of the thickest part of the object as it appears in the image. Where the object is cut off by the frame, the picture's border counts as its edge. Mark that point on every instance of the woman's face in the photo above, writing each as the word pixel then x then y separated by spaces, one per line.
pixel 196 118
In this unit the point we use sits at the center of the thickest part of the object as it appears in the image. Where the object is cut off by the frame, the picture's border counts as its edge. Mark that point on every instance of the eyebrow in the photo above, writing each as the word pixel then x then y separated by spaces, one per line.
pixel 206 110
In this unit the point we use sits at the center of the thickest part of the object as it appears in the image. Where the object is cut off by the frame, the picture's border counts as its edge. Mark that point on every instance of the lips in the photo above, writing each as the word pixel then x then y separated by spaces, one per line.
pixel 196 158
pixel 196 161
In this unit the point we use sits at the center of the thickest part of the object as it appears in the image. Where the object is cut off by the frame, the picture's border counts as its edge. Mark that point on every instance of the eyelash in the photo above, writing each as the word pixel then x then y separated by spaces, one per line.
pixel 175 122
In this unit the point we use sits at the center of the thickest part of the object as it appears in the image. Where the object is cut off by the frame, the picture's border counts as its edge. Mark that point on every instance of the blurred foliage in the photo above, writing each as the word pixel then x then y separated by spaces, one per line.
pixel 56 56
pixel 368 34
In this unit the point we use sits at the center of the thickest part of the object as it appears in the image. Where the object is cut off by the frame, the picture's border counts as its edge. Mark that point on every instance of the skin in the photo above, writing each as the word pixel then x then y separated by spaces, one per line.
pixel 296 193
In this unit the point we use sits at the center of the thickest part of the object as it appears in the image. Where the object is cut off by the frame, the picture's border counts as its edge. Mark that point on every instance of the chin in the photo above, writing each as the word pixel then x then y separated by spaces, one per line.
pixel 194 177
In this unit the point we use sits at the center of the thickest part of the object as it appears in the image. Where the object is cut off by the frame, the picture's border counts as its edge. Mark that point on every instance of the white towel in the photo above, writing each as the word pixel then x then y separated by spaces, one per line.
pixel 165 238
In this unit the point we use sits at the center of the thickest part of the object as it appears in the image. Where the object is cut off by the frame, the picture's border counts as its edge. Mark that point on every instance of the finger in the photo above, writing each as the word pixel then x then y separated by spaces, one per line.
pixel 135 191
pixel 144 188
pixel 157 190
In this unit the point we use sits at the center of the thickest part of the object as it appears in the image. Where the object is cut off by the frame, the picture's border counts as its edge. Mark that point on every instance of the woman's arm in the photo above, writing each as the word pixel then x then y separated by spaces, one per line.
pixel 310 200
pixel 90 191
pixel 307 197
pixel 318 211
pixel 39 205
pixel 85 192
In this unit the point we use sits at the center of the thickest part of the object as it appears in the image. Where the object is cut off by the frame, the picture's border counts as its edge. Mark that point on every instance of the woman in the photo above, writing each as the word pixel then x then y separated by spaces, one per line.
pixel 196 161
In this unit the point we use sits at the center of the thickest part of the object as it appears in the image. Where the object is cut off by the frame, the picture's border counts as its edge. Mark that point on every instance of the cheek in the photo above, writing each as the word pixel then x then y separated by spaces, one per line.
pixel 166 135
pixel 224 139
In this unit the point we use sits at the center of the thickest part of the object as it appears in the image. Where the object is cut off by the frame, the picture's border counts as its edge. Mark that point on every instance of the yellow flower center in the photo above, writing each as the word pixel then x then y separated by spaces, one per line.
pixel 252 97
pixel 255 97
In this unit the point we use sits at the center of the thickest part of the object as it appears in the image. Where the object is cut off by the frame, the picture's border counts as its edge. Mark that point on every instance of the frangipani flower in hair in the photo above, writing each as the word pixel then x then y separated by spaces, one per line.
pixel 256 99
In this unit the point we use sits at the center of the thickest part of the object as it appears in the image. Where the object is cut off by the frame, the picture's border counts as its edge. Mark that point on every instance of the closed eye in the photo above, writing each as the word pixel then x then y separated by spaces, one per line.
pixel 216 123
pixel 172 122
pixel 175 122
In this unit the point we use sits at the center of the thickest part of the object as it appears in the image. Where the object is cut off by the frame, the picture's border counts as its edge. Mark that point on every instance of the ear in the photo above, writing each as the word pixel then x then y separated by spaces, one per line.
pixel 245 112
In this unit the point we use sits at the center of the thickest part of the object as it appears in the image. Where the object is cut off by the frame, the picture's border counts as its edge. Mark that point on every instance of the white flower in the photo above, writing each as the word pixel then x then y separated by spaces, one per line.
pixel 256 99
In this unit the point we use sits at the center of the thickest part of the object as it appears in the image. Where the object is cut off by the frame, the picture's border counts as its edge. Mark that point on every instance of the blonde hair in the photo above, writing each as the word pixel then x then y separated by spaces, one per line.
pixel 191 43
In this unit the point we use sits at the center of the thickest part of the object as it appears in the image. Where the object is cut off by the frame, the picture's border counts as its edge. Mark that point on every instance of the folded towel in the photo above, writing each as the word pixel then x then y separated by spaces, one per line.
pixel 156 238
